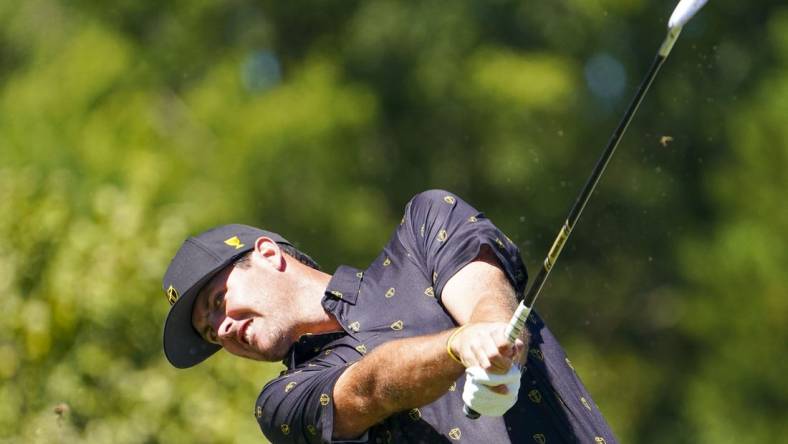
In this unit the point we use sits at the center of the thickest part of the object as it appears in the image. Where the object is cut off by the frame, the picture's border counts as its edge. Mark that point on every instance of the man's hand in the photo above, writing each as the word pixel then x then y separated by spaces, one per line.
pixel 485 345
pixel 491 380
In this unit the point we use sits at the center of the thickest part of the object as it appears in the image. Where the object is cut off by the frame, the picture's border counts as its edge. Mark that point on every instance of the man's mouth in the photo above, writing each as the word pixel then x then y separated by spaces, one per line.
pixel 245 334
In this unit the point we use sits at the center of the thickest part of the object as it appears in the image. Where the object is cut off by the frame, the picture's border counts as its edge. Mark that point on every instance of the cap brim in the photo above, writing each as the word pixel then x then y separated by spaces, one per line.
pixel 183 347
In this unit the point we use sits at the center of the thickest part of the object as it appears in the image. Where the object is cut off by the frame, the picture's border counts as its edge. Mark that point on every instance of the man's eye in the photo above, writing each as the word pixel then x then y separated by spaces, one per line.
pixel 217 301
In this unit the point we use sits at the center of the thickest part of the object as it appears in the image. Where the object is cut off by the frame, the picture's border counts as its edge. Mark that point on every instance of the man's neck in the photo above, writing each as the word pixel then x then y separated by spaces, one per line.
pixel 315 319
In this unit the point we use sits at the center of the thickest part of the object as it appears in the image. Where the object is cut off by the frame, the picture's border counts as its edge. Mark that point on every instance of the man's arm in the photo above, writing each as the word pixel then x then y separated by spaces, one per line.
pixel 412 372
pixel 480 292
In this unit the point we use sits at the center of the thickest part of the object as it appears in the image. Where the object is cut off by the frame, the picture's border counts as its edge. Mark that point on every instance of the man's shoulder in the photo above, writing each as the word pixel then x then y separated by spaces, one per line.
pixel 431 204
pixel 432 196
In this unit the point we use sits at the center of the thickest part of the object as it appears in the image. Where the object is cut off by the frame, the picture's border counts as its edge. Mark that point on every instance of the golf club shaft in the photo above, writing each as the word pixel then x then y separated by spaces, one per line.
pixel 517 323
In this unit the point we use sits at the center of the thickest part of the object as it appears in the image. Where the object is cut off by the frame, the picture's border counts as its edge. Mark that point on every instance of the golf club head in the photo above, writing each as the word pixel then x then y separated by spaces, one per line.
pixel 684 11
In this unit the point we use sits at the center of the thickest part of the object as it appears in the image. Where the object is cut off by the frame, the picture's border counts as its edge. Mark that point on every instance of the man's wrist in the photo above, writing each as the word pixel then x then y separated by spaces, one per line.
pixel 449 345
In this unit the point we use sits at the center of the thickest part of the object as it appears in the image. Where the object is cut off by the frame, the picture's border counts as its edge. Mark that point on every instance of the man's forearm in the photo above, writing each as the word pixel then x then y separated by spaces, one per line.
pixel 481 285
pixel 496 300
pixel 497 304
pixel 396 376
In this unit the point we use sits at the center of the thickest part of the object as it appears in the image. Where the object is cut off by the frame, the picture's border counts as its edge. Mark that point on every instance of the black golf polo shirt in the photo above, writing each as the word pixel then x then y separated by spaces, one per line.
pixel 399 296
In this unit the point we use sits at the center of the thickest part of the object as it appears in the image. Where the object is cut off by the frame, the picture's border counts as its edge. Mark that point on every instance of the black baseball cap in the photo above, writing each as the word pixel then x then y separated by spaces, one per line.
pixel 198 260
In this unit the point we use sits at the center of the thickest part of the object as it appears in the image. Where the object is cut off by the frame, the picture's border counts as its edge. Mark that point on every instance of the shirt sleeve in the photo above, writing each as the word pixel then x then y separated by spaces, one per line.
pixel 298 407
pixel 444 233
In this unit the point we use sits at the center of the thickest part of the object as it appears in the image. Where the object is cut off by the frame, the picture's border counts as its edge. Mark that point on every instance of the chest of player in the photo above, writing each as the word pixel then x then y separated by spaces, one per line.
pixel 390 300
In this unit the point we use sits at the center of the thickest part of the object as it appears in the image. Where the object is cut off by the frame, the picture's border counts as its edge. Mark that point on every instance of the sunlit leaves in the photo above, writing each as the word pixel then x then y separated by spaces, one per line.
pixel 127 127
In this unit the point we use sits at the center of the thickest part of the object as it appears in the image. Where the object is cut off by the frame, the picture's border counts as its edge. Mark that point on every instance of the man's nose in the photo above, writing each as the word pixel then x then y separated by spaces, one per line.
pixel 224 329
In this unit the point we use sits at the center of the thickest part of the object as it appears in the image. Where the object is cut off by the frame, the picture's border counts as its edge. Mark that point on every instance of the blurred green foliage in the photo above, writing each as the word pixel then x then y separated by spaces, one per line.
pixel 128 125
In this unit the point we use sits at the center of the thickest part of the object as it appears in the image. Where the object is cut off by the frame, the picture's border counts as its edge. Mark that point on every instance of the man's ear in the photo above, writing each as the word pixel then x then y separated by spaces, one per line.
pixel 267 250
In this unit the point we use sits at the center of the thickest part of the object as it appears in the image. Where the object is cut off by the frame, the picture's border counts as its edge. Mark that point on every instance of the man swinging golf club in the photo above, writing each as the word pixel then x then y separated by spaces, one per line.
pixel 381 354
pixel 377 355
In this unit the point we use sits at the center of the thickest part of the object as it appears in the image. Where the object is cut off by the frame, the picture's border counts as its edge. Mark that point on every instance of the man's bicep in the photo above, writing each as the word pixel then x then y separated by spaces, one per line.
pixel 480 291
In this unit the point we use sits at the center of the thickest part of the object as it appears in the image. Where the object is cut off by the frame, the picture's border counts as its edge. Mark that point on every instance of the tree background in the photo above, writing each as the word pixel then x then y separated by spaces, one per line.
pixel 126 126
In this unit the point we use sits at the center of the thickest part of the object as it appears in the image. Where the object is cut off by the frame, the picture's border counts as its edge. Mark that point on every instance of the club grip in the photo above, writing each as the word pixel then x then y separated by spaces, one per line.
pixel 470 413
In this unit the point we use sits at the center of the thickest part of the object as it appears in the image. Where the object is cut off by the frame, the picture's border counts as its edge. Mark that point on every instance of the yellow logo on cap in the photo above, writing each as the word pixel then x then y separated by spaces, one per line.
pixel 234 242
pixel 455 434
pixel 172 295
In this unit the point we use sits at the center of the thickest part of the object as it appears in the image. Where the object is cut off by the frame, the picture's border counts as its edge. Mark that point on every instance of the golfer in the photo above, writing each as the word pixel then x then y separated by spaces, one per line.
pixel 387 354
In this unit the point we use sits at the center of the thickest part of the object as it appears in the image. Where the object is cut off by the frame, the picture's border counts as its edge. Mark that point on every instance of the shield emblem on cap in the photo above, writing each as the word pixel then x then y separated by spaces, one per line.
pixel 172 295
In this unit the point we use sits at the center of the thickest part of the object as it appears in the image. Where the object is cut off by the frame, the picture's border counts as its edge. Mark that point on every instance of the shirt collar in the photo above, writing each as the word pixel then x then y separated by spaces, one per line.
pixel 344 286
pixel 309 346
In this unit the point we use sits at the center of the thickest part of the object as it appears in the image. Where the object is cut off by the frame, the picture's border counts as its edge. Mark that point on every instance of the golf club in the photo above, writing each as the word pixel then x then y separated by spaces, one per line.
pixel 684 11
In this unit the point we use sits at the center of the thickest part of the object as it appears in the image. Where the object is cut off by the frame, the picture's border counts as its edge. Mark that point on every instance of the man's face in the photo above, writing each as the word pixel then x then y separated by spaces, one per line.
pixel 242 310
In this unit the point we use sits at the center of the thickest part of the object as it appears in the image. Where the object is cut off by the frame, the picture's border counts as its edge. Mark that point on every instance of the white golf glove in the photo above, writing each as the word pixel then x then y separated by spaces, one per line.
pixel 478 395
